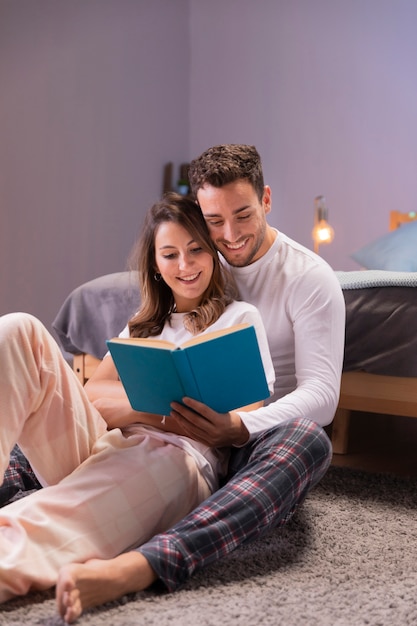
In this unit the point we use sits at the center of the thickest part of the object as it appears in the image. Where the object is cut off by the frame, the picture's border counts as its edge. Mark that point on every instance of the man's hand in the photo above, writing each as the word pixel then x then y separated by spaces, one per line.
pixel 201 423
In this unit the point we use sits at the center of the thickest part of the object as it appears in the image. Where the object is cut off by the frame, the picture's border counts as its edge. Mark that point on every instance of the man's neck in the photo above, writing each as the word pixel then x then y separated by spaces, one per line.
pixel 270 235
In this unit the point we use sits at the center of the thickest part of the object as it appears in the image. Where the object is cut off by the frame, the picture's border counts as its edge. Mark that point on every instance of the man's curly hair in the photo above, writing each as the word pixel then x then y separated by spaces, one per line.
pixel 224 164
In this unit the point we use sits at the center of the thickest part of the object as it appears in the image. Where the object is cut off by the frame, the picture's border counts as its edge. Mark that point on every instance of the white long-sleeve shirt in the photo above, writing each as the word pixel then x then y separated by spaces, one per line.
pixel 303 311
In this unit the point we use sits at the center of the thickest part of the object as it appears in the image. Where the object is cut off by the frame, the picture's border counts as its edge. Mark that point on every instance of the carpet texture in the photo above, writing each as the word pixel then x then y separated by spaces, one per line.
pixel 347 558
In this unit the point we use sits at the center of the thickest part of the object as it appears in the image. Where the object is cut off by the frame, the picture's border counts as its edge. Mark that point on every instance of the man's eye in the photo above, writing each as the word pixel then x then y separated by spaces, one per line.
pixel 215 223
pixel 244 217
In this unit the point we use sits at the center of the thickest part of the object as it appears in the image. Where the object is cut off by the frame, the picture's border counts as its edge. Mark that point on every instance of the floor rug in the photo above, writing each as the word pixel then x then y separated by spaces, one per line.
pixel 347 558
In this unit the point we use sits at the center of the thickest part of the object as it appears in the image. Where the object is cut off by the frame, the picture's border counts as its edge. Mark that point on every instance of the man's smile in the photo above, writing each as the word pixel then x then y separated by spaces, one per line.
pixel 236 246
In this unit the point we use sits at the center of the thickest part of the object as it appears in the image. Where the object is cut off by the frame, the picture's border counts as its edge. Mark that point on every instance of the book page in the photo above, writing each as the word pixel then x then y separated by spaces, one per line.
pixel 150 342
pixel 213 335
pixel 147 342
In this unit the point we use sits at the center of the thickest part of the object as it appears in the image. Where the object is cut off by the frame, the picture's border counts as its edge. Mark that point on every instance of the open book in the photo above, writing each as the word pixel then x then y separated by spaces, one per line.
pixel 222 368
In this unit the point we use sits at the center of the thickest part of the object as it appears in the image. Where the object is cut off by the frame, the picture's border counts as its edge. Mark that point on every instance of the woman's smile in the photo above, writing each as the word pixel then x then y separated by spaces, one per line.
pixel 190 279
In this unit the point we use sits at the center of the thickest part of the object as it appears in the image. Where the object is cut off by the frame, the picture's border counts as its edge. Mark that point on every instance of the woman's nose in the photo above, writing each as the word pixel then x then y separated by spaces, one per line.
pixel 184 261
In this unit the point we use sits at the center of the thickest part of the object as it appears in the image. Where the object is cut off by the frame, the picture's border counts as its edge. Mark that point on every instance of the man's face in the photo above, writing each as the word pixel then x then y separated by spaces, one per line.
pixel 236 220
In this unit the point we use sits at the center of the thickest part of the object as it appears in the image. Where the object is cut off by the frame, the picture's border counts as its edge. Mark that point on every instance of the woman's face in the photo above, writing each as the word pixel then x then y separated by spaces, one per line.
pixel 183 264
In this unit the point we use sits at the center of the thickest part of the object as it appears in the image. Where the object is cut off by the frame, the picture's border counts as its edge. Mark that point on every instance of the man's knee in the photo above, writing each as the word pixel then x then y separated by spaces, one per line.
pixel 299 442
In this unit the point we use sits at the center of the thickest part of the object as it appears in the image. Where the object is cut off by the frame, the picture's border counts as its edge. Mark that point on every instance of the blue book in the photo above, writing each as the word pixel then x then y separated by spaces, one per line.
pixel 222 369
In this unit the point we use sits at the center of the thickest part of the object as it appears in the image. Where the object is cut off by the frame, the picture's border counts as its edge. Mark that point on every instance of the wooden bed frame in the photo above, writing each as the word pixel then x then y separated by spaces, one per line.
pixel 84 365
pixel 371 393
pixel 396 218
pixel 360 391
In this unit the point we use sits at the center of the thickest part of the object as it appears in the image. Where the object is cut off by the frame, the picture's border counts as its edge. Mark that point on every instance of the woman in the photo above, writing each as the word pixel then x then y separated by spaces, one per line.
pixel 112 477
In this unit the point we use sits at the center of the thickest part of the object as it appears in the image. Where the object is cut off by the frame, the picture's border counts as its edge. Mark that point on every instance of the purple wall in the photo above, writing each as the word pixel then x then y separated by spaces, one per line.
pixel 327 91
pixel 97 95
pixel 93 102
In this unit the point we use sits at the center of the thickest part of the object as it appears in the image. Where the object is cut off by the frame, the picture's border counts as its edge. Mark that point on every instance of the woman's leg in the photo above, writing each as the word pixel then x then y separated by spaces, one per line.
pixel 43 406
pixel 82 586
pixel 128 489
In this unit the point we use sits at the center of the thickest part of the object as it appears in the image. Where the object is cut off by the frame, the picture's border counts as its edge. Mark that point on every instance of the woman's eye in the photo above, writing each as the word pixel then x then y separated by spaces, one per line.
pixel 169 256
pixel 196 250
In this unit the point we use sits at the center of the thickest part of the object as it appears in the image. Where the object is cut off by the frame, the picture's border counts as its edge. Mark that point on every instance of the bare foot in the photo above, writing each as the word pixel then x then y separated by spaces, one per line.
pixel 81 586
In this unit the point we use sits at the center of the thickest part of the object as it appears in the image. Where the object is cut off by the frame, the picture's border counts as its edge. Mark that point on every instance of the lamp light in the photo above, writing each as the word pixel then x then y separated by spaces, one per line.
pixel 322 231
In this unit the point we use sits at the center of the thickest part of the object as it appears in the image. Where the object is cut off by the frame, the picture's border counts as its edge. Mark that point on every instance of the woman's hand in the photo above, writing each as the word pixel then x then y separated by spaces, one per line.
pixel 119 414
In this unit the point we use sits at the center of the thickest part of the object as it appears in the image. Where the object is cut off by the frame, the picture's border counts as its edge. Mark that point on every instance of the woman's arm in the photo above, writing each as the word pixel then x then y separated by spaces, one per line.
pixel 107 393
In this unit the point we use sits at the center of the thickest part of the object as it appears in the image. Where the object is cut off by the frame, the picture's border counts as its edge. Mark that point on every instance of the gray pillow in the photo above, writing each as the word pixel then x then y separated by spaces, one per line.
pixel 395 251
pixel 96 311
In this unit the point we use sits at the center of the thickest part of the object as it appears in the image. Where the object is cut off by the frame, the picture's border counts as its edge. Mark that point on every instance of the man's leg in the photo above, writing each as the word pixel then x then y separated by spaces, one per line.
pixel 270 479
pixel 284 463
pixel 19 478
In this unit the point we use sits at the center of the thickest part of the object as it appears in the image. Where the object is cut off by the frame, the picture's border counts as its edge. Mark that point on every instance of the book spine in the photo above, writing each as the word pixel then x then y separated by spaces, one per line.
pixel 185 372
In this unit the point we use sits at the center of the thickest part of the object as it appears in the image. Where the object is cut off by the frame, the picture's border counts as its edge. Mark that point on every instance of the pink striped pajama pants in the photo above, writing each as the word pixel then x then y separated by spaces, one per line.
pixel 105 491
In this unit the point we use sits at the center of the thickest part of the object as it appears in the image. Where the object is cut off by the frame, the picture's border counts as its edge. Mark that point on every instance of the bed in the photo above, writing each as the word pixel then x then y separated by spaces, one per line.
pixel 380 362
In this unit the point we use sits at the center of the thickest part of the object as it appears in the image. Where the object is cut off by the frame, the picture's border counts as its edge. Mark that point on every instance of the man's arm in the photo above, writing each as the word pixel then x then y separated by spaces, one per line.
pixel 315 317
pixel 316 308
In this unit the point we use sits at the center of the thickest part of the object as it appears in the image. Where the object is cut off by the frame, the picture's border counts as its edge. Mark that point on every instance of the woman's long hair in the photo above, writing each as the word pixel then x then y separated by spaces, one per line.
pixel 157 300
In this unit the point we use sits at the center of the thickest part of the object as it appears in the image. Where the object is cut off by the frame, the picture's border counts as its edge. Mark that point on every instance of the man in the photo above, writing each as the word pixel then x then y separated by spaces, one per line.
pixel 279 451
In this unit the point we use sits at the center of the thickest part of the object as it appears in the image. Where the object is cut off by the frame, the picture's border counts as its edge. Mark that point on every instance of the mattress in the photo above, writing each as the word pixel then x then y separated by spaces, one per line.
pixel 381 322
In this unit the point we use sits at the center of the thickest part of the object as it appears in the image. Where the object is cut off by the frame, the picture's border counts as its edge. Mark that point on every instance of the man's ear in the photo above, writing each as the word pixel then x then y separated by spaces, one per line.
pixel 266 199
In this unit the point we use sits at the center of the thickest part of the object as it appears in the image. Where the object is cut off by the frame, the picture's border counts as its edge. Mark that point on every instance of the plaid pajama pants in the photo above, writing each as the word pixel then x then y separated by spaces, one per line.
pixel 19 478
pixel 270 479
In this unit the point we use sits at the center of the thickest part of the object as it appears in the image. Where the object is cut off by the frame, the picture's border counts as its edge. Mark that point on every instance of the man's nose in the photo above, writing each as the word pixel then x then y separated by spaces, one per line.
pixel 229 232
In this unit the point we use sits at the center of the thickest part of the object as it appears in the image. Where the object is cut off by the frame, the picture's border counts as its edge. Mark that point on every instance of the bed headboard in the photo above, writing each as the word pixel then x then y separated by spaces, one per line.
pixel 396 218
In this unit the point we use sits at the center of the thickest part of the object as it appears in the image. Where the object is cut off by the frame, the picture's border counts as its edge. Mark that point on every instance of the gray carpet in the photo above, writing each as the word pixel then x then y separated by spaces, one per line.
pixel 348 558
